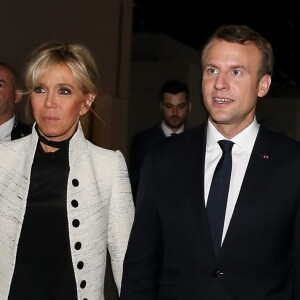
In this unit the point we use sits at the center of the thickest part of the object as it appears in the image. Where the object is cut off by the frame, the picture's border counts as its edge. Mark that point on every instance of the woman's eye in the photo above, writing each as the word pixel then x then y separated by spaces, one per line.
pixel 64 91
pixel 39 89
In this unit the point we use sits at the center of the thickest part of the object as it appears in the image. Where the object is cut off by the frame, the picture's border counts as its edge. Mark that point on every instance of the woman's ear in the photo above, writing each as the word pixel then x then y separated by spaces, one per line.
pixel 88 101
pixel 90 97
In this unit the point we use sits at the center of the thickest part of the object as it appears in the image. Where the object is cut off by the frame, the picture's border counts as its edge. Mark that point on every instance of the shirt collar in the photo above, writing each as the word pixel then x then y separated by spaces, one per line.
pixel 167 131
pixel 6 128
pixel 244 139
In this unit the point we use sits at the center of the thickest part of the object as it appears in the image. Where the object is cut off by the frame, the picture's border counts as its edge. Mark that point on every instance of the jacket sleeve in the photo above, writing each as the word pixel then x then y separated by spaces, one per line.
pixel 143 258
pixel 121 214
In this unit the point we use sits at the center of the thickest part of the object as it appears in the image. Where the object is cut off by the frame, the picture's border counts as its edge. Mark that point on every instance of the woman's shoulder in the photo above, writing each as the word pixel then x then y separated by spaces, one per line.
pixel 102 152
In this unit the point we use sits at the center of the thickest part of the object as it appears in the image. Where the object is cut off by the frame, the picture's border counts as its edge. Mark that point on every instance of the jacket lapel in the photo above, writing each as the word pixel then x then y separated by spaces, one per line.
pixel 196 167
pixel 255 179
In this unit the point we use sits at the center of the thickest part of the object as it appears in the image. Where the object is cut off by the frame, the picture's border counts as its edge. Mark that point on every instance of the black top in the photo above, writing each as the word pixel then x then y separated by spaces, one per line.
pixel 43 266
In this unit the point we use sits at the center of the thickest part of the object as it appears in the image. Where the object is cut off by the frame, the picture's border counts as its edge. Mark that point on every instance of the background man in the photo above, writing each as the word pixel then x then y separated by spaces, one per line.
pixel 10 94
pixel 174 106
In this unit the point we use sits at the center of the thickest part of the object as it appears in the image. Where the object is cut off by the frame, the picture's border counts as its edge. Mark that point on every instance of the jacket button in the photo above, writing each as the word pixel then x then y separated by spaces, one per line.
pixel 77 245
pixel 75 223
pixel 83 284
pixel 217 273
pixel 80 265
pixel 74 203
pixel 75 182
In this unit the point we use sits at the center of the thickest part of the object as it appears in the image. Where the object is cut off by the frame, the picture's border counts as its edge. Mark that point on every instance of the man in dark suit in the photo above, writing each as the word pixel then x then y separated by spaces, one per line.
pixel 170 254
pixel 175 106
pixel 11 127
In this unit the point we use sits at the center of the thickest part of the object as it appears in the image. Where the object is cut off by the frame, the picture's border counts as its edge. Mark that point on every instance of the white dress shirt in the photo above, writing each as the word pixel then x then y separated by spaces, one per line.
pixel 241 152
pixel 167 131
pixel 6 129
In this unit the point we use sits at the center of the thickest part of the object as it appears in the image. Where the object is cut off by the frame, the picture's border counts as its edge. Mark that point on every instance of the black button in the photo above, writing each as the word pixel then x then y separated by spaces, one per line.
pixel 85 298
pixel 80 265
pixel 75 182
pixel 74 203
pixel 83 284
pixel 217 273
pixel 77 245
pixel 75 222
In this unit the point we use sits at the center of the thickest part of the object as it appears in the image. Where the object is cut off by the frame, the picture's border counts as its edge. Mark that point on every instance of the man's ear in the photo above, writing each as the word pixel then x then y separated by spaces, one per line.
pixel 264 85
pixel 18 95
pixel 161 106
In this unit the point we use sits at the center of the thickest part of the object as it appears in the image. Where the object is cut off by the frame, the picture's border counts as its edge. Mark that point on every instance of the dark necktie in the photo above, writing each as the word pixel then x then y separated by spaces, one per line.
pixel 218 193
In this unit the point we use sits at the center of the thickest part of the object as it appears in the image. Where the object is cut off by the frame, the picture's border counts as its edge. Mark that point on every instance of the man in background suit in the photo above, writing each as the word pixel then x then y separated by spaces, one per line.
pixel 11 127
pixel 170 254
pixel 174 106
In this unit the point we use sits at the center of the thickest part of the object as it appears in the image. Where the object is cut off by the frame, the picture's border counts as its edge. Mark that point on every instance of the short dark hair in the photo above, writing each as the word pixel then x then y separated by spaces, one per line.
pixel 174 87
pixel 242 34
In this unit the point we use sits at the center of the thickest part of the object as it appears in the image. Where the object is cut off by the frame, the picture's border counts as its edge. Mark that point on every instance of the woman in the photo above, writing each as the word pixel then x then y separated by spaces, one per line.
pixel 63 200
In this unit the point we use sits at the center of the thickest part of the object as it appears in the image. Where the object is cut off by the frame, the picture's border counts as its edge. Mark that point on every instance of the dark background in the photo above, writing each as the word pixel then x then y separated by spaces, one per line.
pixel 192 21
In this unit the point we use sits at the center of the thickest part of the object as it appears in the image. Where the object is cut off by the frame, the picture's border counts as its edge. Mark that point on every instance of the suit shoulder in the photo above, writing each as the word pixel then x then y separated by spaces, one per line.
pixel 20 130
pixel 149 132
pixel 281 141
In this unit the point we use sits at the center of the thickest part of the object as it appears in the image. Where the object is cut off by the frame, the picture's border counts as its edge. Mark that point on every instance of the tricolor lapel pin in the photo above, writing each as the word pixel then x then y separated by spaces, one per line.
pixel 265 156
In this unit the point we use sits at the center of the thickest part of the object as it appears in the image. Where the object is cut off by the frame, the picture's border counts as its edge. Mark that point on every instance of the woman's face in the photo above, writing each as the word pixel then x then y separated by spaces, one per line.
pixel 57 103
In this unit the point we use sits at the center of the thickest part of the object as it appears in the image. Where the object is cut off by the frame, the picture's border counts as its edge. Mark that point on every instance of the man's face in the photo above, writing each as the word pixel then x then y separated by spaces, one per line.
pixel 175 109
pixel 230 85
pixel 8 95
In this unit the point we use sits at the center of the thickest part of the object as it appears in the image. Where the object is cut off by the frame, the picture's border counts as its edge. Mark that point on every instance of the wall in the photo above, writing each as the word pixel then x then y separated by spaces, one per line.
pixel 280 111
pixel 103 26
pixel 157 58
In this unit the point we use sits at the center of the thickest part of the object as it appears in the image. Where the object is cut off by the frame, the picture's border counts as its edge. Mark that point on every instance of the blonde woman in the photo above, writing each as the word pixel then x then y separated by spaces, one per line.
pixel 63 200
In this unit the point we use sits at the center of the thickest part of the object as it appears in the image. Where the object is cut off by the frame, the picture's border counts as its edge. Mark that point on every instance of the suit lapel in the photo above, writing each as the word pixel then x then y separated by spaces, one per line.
pixel 255 179
pixel 196 149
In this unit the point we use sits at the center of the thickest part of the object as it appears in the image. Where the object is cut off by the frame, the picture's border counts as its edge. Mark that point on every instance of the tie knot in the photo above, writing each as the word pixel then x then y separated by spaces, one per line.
pixel 226 145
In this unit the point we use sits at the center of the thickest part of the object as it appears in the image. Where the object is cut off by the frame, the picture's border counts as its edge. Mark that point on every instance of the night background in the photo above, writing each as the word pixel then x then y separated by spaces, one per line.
pixel 191 22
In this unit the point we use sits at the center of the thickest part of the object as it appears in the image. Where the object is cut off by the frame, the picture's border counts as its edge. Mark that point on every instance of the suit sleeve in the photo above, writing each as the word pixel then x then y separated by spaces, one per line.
pixel 136 161
pixel 296 254
pixel 143 258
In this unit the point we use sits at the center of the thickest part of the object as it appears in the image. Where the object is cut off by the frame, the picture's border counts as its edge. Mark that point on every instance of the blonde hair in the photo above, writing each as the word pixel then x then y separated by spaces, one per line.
pixel 77 57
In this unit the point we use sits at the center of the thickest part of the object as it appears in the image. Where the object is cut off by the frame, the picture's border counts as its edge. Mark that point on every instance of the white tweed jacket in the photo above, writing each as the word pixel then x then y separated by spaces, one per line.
pixel 98 195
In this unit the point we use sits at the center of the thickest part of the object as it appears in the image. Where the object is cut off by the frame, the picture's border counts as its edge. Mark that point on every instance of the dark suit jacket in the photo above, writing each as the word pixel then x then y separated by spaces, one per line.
pixel 170 256
pixel 140 144
pixel 20 130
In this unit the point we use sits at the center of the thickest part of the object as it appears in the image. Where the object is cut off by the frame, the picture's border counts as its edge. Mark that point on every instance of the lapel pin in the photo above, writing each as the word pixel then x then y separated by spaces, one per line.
pixel 265 156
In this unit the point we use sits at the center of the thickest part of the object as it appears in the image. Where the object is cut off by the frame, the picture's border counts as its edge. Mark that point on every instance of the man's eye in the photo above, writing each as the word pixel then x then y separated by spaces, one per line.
pixel 236 72
pixel 39 90
pixel 212 71
pixel 64 91
pixel 183 105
